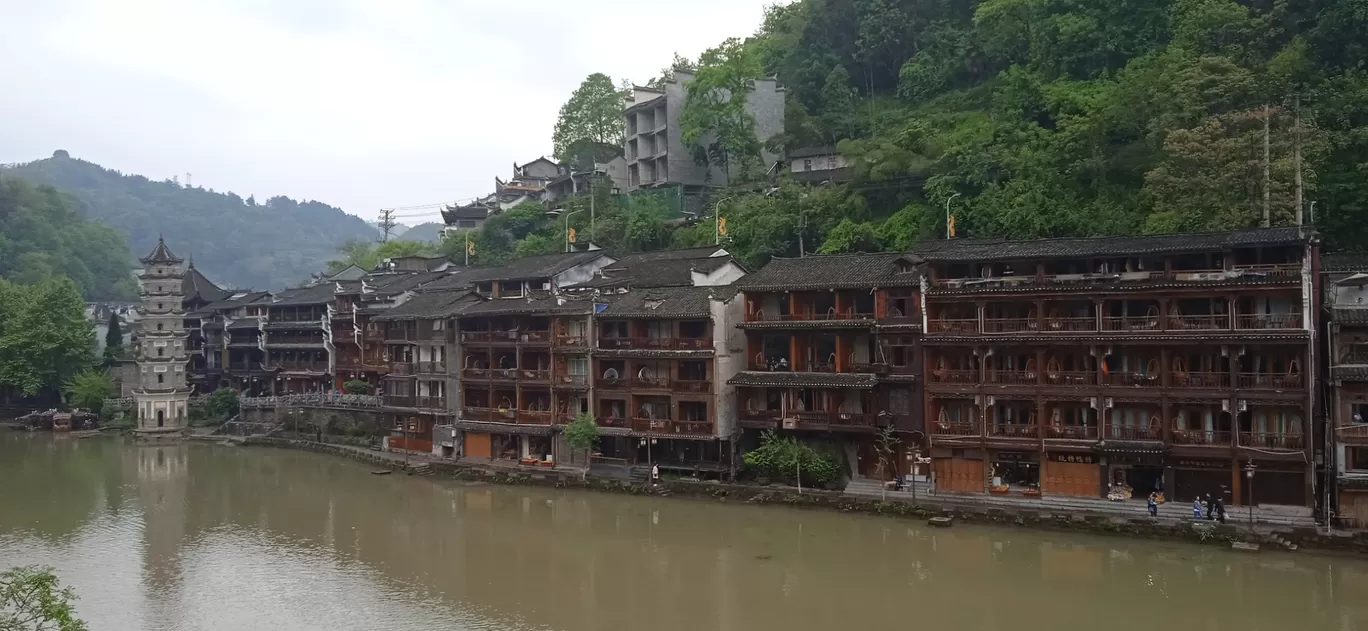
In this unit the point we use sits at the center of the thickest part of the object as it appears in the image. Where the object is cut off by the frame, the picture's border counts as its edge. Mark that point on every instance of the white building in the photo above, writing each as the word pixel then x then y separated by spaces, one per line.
pixel 162 394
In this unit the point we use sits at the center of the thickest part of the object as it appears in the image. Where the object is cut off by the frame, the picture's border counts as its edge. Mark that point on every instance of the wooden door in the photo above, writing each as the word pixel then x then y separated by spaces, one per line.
pixel 959 475
pixel 1353 508
pixel 1071 478
pixel 477 445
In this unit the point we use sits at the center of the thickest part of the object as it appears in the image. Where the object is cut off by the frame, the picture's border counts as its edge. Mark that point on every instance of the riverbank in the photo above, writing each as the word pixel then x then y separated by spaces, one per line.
pixel 1170 529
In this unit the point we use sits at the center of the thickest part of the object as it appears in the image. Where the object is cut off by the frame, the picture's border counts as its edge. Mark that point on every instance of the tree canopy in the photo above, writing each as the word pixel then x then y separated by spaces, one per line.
pixel 368 254
pixel 591 119
pixel 45 337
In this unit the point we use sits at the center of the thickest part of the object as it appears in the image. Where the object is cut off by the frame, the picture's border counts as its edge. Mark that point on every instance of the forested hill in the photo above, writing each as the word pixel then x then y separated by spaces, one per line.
pixel 43 237
pixel 235 242
pixel 1056 117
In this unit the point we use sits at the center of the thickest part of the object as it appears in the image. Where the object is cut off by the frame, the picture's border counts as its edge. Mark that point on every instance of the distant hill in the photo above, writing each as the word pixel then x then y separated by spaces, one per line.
pixel 235 242
pixel 426 232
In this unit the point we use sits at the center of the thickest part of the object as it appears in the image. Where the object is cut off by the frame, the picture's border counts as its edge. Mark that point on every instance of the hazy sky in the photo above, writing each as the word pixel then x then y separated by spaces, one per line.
pixel 360 104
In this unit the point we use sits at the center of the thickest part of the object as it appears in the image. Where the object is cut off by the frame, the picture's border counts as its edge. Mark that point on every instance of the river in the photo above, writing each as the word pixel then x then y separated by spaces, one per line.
pixel 197 536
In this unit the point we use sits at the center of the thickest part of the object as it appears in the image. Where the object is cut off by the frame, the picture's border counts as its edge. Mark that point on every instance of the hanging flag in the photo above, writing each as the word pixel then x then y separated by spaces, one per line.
pixel 470 247
pixel 570 236
pixel 722 226
pixel 950 226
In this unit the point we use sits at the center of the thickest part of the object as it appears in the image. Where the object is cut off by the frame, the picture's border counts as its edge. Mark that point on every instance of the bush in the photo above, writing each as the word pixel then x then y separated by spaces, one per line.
pixel 781 457
pixel 223 403
pixel 356 386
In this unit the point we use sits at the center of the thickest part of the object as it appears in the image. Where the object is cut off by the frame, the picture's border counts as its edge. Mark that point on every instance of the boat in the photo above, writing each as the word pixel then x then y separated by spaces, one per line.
pixel 381 472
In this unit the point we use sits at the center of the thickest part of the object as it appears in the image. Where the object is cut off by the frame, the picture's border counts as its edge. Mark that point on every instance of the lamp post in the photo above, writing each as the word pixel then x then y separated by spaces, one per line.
pixel 947 214
pixel 1249 469
pixel 717 219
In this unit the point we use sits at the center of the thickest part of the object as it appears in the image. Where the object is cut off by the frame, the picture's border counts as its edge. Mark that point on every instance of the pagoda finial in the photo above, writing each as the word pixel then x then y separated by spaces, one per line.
pixel 192 260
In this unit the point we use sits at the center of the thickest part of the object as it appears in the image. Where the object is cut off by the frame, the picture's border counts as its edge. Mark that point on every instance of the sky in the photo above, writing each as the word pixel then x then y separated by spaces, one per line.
pixel 360 104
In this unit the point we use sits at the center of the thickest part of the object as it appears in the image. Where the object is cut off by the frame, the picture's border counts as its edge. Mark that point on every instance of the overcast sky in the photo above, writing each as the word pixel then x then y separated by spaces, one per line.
pixel 362 104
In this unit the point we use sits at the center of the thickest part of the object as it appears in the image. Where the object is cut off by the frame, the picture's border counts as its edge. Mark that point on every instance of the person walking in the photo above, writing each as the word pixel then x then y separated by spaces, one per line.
pixel 1153 504
pixel 655 475
pixel 1211 507
pixel 1220 510
pixel 1197 508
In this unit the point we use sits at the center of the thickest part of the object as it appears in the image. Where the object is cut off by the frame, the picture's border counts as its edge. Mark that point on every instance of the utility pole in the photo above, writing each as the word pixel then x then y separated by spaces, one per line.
pixel 386 223
pixel 188 180
pixel 1296 154
pixel 1267 215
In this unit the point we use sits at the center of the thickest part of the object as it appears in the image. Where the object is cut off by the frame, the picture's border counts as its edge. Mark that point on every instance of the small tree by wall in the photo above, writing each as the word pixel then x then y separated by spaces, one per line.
pixel 885 444
pixel 356 386
pixel 223 403
pixel 582 434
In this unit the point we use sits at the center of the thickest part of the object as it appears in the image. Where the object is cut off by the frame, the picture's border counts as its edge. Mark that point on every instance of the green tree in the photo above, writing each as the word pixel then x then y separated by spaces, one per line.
pixel 223 403
pixel 113 339
pixel 45 337
pixel 367 255
pixel 88 389
pixel 591 118
pixel 32 599
pixel 356 386
pixel 582 434
pixel 714 121
pixel 42 236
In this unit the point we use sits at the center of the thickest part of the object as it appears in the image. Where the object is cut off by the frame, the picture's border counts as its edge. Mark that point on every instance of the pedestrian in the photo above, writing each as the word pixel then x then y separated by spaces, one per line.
pixel 1220 511
pixel 1197 508
pixel 1211 507
pixel 655 474
pixel 1153 504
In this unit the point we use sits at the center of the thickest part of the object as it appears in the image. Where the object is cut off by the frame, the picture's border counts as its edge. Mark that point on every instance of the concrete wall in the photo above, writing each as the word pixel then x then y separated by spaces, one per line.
pixel 725 275
pixel 729 347
pixel 582 272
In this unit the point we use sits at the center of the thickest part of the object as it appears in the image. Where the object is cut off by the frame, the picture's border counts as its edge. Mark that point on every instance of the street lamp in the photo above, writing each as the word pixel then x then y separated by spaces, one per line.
pixel 560 212
pixel 717 219
pixel 947 214
pixel 1249 469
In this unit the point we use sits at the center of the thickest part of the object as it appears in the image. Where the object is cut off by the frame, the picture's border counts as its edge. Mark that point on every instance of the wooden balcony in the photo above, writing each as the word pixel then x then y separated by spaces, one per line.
pixel 570 381
pixel 1272 440
pixel 1132 379
pixel 658 426
pixel 476 374
pixel 1130 323
pixel 1011 378
pixel 702 386
pixel 613 384
pixel 400 336
pixel 431 368
pixel 834 420
pixel 298 366
pixel 403 369
pixel 1276 270
pixel 807 316
pixel 492 415
pixel 1010 325
pixel 417 402
pixel 956 429
pixel 1271 382
pixel 614 421
pixel 961 377
pixel 1013 430
pixel 1214 322
pixel 650 383
pixel 657 343
pixel 1246 322
pixel 1072 324
pixel 1199 437
pixel 572 341
pixel 1071 432
pixel 535 417
pixel 535 338
pixel 1200 380
pixel 534 376
pixel 1070 378
pixel 960 326
pixel 1121 432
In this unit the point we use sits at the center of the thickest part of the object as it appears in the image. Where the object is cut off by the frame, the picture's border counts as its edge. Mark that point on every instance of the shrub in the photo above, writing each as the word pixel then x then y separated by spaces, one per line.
pixel 356 386
pixel 223 403
pixel 782 457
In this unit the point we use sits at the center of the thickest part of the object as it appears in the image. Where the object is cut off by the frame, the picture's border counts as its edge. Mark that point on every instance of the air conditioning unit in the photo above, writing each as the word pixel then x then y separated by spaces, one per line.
pixel 790 423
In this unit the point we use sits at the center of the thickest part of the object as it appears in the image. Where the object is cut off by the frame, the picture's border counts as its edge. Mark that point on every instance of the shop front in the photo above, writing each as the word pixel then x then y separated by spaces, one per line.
pixel 1134 473
pixel 1196 478
pixel 1281 483
pixel 958 470
pixel 1071 473
pixel 1014 471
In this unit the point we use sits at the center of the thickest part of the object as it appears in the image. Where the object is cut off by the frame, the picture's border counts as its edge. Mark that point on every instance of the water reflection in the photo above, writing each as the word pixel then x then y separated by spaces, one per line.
pixel 211 537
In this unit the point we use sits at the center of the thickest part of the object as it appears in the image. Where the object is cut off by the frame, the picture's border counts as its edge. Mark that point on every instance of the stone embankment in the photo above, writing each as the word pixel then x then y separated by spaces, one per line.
pixel 1271 536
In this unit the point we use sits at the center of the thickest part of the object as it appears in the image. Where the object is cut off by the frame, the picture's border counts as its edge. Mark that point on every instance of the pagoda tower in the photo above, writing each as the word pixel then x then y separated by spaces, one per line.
pixel 162 395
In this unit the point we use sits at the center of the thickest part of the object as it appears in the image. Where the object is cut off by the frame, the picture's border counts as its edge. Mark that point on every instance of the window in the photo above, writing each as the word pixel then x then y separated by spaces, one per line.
pixel 1359 413
pixel 511 289
pixel 159 326
pixel 161 378
pixel 807 164
pixel 831 162
pixel 1357 459
pixel 579 366
pixel 161 352
pixel 485 288
pixel 438 325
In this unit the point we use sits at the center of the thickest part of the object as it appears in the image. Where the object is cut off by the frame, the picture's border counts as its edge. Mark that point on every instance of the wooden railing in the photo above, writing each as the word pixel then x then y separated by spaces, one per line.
pixel 419 402
pixel 572 380
pixel 656 343
pixel 1013 430
pixel 646 383
pixel 1268 321
pixel 954 376
pixel 303 366
pixel 1071 432
pixel 402 335
pixel 402 369
pixel 535 337
pixel 1011 378
pixel 1206 380
pixel 613 384
pixel 1009 325
pixel 1250 381
pixel 956 429
pixel 535 376
pixel 431 368
pixel 1130 323
pixel 613 421
pixel 1199 437
pixel 1271 440
pixel 1133 379
pixel 692 428
pixel 1198 322
pixel 571 341
pixel 942 325
pixel 691 385
pixel 1281 270
pixel 1070 324
pixel 1123 432
pixel 761 316
pixel 1070 377
pixel 535 417
pixel 835 419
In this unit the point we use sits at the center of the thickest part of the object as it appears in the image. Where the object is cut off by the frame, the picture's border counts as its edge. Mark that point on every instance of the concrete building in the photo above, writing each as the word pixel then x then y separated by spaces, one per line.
pixel 815 165
pixel 656 154
pixel 163 393
pixel 1346 301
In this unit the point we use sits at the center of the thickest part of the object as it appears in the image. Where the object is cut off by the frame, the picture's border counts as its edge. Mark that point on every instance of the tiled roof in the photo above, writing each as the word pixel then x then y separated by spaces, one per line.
pixel 504 428
pixel 776 379
pixel 1344 262
pixel 529 268
pixel 807 152
pixel 312 295
pixel 233 303
pixel 430 304
pixel 406 282
pixel 195 285
pixel 160 255
pixel 1003 249
pixel 534 302
pixel 470 211
pixel 836 271
pixel 244 323
pixel 670 302
pixel 1349 315
pixel 663 273
pixel 861 323
pixel 637 258
pixel 652 352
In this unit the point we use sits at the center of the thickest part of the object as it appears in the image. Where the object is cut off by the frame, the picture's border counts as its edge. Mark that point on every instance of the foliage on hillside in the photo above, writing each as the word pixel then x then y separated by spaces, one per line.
pixel 368 254
pixel 43 237
pixel 1059 117
pixel 235 242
